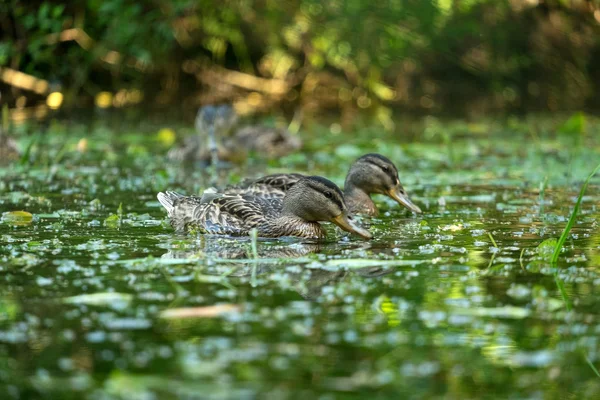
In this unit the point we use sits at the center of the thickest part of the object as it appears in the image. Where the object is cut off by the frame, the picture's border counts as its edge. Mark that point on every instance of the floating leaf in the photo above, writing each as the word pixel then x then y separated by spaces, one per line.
pixel 112 299
pixel 124 385
pixel 495 312
pixel 112 221
pixel 353 263
pixel 546 248
pixel 17 217
pixel 49 216
pixel 200 312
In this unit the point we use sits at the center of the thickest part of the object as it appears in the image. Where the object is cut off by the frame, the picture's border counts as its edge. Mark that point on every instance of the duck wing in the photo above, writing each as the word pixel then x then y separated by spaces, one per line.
pixel 219 213
pixel 280 182
pixel 271 142
pixel 270 186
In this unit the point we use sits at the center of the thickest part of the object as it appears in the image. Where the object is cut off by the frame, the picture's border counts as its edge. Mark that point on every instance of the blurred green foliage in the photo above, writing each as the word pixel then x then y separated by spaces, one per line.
pixel 433 56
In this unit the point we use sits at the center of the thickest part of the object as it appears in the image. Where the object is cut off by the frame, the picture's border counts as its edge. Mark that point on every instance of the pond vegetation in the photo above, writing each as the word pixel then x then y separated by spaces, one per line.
pixel 491 292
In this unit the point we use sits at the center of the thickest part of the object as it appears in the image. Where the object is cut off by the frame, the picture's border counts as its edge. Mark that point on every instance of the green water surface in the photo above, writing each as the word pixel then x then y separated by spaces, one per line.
pixel 97 303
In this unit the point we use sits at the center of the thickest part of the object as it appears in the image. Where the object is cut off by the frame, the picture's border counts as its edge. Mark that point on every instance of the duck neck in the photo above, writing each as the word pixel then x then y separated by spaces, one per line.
pixel 292 225
pixel 358 201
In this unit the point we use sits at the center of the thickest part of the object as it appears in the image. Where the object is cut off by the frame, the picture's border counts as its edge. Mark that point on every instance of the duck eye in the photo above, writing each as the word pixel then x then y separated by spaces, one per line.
pixel 329 195
pixel 385 168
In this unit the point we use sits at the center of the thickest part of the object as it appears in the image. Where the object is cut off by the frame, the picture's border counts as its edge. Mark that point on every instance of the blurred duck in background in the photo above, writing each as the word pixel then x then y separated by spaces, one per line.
pixel 219 139
pixel 212 122
pixel 8 147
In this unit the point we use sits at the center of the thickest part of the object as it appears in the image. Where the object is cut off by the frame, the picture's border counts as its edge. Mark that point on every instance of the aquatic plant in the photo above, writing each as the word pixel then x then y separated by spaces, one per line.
pixel 572 218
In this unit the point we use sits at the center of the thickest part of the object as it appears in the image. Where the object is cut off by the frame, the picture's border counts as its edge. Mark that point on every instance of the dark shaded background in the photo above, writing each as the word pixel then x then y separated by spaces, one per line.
pixel 445 57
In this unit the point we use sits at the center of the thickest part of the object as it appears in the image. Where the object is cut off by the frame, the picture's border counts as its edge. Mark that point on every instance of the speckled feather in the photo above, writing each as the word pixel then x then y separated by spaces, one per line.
pixel 235 215
pixel 270 186
pixel 357 195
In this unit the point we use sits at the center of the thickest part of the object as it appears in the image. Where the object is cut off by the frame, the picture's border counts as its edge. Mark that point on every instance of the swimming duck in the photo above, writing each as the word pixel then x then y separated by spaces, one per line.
pixel 211 122
pixel 8 149
pixel 308 201
pixel 219 137
pixel 270 142
pixel 369 174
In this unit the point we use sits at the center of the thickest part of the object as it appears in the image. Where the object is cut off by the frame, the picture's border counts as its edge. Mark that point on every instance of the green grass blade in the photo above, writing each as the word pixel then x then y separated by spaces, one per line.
pixel 26 154
pixel 571 222
pixel 592 366
pixel 492 239
pixel 521 258
pixel 563 292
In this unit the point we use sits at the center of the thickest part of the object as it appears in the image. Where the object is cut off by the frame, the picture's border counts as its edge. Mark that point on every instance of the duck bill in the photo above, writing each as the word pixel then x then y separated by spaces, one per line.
pixel 402 198
pixel 344 222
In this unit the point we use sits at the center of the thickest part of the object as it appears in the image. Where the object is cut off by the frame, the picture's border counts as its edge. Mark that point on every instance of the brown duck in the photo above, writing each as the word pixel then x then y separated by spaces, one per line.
pixel 219 136
pixel 310 200
pixel 369 174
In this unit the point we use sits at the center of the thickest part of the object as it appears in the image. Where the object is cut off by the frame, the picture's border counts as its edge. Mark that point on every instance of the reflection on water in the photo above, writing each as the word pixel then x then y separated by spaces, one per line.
pixel 272 257
pixel 233 248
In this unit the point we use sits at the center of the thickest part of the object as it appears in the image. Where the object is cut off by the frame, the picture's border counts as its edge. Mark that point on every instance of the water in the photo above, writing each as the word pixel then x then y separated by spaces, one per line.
pixel 99 305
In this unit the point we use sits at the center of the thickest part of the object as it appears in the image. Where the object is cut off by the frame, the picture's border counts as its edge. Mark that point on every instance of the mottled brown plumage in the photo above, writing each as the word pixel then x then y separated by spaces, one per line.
pixel 270 186
pixel 269 142
pixel 212 122
pixel 298 213
pixel 370 174
pixel 8 149
pixel 217 131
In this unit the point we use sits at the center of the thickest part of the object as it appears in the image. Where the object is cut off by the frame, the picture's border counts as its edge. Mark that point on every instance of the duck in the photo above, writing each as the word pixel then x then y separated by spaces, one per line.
pixel 220 139
pixel 212 121
pixel 8 149
pixel 310 200
pixel 269 142
pixel 370 174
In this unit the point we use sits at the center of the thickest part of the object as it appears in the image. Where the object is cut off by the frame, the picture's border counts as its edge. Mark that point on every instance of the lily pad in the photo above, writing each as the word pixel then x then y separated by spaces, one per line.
pixel 17 218
pixel 113 299
pixel 546 248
